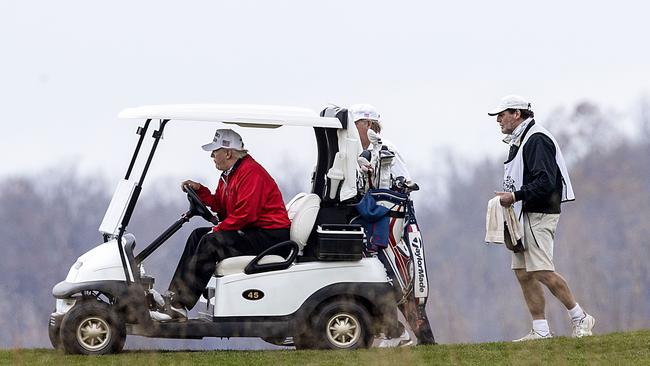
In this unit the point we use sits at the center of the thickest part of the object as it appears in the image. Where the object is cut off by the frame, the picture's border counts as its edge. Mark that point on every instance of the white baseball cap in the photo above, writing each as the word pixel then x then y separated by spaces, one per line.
pixel 225 138
pixel 510 102
pixel 364 111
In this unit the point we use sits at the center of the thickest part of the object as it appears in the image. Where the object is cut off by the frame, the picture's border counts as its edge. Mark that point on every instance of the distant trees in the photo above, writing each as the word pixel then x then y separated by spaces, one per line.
pixel 45 222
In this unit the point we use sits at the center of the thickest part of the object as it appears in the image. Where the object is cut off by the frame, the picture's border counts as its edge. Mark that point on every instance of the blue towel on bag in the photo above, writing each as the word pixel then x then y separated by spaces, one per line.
pixel 375 221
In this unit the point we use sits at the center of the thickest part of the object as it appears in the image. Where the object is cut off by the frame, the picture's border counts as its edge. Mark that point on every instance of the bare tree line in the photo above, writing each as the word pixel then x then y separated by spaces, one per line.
pixel 47 221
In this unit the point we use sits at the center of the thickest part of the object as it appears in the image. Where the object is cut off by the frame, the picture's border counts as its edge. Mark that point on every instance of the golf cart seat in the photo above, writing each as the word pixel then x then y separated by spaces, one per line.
pixel 234 265
pixel 302 211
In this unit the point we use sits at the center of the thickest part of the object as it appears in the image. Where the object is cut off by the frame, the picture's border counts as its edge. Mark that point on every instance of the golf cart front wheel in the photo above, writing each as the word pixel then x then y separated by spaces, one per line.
pixel 92 328
pixel 54 331
pixel 343 324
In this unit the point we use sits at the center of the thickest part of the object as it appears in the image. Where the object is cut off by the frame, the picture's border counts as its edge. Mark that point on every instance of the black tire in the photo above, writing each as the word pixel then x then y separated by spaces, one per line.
pixel 92 328
pixel 342 324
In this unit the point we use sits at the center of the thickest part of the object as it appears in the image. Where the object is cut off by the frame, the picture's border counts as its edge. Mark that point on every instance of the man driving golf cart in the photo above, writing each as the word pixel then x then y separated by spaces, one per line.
pixel 250 205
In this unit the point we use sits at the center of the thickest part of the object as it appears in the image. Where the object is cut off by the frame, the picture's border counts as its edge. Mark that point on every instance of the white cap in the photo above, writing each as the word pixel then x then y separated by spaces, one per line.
pixel 510 102
pixel 364 111
pixel 225 138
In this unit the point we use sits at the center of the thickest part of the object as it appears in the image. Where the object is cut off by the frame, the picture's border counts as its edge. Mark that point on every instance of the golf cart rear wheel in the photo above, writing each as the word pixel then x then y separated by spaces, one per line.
pixel 343 324
pixel 92 328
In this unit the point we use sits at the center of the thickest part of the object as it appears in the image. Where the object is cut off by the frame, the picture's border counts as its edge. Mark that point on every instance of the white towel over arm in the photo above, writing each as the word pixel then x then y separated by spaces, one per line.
pixel 494 229
pixel 497 219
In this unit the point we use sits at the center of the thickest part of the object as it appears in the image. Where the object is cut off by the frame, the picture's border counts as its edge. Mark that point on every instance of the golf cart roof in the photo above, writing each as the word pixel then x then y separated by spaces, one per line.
pixel 244 115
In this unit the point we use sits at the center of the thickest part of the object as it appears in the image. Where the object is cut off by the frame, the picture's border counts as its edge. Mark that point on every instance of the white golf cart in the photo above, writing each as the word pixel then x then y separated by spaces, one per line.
pixel 323 295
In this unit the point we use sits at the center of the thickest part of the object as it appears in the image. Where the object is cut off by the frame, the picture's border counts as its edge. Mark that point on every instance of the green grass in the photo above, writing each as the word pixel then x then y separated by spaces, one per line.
pixel 631 348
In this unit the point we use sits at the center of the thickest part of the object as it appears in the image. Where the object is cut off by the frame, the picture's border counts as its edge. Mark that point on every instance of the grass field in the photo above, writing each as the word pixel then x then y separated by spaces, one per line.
pixel 632 348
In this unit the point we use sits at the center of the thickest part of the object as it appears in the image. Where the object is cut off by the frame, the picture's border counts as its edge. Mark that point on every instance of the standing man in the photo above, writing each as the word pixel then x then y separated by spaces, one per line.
pixel 253 218
pixel 536 181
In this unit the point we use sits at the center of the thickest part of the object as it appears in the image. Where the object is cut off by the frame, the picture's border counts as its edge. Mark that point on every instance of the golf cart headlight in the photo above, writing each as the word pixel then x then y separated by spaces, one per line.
pixel 63 305
pixel 78 265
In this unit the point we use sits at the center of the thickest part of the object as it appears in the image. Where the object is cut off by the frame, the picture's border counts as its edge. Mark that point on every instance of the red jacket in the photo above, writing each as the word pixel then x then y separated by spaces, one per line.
pixel 247 197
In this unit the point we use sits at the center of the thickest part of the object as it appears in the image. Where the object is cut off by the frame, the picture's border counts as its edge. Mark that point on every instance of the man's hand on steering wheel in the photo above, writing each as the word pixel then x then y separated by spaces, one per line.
pixel 197 208
pixel 190 183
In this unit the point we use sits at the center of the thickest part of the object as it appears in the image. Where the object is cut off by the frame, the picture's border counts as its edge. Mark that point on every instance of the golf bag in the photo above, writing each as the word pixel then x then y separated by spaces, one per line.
pixel 392 233
pixel 403 257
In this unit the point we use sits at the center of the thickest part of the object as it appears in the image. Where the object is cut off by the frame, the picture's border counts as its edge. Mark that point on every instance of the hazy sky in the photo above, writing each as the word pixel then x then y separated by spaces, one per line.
pixel 432 69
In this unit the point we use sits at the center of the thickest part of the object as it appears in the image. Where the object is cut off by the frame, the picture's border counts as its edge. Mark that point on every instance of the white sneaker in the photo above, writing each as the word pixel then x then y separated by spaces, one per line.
pixel 533 335
pixel 385 342
pixel 160 316
pixel 177 314
pixel 583 327
pixel 403 340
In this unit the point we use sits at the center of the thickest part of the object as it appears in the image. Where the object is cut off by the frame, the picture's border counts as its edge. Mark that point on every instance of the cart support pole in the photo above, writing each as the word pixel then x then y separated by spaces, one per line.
pixel 136 194
pixel 161 239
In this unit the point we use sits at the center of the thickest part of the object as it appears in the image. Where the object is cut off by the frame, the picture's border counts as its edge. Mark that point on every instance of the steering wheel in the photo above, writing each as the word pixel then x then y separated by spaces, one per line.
pixel 197 208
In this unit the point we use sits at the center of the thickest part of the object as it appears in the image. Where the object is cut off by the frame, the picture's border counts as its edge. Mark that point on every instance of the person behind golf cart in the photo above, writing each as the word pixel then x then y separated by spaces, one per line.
pixel 250 205
pixel 366 117
pixel 386 178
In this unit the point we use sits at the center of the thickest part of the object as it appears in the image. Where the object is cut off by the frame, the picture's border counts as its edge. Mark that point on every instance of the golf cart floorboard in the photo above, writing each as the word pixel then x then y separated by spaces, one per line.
pixel 200 328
